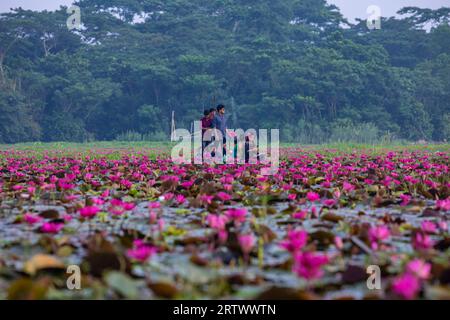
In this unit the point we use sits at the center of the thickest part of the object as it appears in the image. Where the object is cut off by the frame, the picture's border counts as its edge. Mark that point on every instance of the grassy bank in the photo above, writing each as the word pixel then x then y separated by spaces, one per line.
pixel 165 146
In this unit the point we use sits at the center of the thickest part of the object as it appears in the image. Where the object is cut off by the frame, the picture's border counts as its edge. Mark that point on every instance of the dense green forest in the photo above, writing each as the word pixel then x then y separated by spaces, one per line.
pixel 296 65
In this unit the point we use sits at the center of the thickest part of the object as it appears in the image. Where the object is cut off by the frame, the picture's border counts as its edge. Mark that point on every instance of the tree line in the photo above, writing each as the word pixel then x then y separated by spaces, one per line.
pixel 296 65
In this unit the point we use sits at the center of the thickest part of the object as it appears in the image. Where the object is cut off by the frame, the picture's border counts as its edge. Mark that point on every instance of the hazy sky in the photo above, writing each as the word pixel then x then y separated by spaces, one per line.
pixel 358 8
pixel 350 8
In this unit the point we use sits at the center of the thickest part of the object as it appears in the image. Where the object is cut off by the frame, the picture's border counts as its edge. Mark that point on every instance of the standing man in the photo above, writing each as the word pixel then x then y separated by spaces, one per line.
pixel 220 123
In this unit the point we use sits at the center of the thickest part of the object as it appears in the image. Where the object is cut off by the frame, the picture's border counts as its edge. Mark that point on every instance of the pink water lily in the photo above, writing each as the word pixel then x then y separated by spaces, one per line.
pixel 206 199
pixel 98 201
pixel 180 199
pixel 406 286
pixel 89 211
pixel 378 234
pixel 419 268
pixel 348 186
pixel 223 196
pixel 292 196
pixel 300 214
pixel 337 194
pixel 167 197
pixel 223 236
pixel 309 265
pixel 443 225
pixel 141 252
pixel 128 206
pixel 116 210
pixel 217 222
pixel 429 227
pixel 161 224
pixel 71 197
pixel 422 241
pixel 330 203
pixel 52 227
pixel 154 205
pixel 313 196
pixel 247 242
pixel 405 199
pixel 237 215
pixel 31 218
pixel 153 217
pixel 295 240
pixel 443 205
pixel 31 190
pixel 187 184
pixel 339 244
pixel 17 187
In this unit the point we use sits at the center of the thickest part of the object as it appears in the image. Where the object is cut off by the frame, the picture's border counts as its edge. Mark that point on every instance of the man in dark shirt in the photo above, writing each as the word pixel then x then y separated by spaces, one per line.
pixel 206 121
pixel 220 123
pixel 206 124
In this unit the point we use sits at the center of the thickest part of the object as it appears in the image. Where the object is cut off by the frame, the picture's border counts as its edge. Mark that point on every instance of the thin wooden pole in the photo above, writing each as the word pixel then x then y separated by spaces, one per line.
pixel 172 133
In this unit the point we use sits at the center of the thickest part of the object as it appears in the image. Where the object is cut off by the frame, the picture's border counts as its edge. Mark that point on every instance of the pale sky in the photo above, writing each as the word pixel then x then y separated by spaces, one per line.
pixel 350 8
